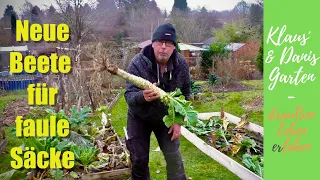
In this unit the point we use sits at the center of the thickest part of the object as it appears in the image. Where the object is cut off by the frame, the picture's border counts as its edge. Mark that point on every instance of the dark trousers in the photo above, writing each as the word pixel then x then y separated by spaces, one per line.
pixel 138 144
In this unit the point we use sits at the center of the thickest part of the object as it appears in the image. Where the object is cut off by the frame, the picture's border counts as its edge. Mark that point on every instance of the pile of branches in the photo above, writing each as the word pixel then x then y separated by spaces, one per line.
pixel 86 84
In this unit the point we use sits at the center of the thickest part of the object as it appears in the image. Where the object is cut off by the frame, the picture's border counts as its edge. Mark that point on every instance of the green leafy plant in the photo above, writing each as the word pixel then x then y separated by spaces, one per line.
pixel 201 128
pixel 7 175
pixel 229 140
pixel 64 145
pixel 243 143
pixel 223 134
pixel 41 144
pixel 254 163
pixel 204 127
pixel 92 129
pixel 248 144
pixel 119 37
pixel 207 60
pixel 59 115
pixel 79 139
pixel 232 32
pixel 74 174
pixel 85 155
pixel 178 106
pixel 178 109
pixel 259 60
pixel 212 80
pixel 100 110
pixel 37 113
pixel 57 174
pixel 216 51
pixel 78 118
pixel 195 88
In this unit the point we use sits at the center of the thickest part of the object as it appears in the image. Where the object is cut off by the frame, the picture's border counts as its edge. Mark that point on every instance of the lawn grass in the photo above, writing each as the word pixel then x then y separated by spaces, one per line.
pixel 12 140
pixel 197 164
pixel 233 102
pixel 8 97
pixel 255 84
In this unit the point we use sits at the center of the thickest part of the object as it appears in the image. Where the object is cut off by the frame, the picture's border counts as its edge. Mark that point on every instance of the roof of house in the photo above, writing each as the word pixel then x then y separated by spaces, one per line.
pixel 143 44
pixel 14 48
pixel 234 46
pixel 208 41
pixel 66 49
pixel 183 47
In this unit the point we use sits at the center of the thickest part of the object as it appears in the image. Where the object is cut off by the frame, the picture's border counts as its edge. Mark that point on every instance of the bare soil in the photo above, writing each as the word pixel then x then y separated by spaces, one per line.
pixel 19 107
pixel 255 105
pixel 231 87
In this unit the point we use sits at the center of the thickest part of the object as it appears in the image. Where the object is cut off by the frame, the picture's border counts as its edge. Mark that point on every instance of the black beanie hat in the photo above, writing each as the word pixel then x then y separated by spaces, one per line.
pixel 165 32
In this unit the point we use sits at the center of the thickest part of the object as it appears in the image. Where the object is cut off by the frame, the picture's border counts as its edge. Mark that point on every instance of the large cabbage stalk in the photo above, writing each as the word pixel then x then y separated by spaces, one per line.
pixel 179 108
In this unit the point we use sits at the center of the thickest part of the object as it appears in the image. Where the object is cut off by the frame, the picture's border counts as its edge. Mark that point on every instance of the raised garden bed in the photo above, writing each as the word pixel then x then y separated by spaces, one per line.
pixel 99 151
pixel 224 143
pixel 110 175
pixel 3 141
pixel 117 170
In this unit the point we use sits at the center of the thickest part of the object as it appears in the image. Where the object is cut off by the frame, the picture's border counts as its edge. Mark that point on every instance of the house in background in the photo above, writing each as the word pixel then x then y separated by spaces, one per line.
pixel 5 55
pixel 245 54
pixel 244 51
pixel 204 44
pixel 233 47
pixel 190 52
pixel 141 45
pixel 11 82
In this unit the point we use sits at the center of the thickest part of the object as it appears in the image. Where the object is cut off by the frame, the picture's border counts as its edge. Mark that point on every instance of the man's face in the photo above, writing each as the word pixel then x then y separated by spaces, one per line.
pixel 163 50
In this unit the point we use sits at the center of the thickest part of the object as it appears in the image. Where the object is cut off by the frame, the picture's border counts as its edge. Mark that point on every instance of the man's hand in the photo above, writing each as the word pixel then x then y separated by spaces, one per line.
pixel 176 129
pixel 149 95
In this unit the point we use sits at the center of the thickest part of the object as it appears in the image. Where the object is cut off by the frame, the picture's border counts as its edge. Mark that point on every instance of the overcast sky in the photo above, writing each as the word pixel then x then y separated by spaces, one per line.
pixel 162 4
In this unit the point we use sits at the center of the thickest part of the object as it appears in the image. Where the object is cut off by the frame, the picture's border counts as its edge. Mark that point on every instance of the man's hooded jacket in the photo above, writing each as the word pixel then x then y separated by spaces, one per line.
pixel 145 65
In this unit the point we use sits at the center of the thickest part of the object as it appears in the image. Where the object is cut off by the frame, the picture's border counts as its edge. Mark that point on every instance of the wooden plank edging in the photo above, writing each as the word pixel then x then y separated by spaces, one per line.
pixel 114 101
pixel 218 156
pixel 233 119
pixel 117 174
pixel 250 126
pixel 3 145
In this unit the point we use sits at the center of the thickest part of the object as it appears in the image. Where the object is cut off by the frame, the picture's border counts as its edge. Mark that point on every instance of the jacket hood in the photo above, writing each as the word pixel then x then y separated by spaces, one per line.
pixel 149 53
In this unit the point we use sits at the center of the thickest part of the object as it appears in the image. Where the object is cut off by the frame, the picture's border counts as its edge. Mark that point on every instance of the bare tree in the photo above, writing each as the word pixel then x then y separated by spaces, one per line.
pixel 81 19
pixel 108 16
pixel 51 15
pixel 242 9
pixel 32 13
pixel 5 39
pixel 7 26
pixel 260 2
pixel 142 19
pixel 189 28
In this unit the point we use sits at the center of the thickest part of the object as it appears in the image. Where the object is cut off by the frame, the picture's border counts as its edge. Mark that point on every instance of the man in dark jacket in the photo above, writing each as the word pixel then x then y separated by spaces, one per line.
pixel 161 64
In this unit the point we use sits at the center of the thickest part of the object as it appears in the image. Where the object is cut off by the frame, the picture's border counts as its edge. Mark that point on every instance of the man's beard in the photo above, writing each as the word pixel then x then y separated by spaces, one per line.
pixel 163 58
